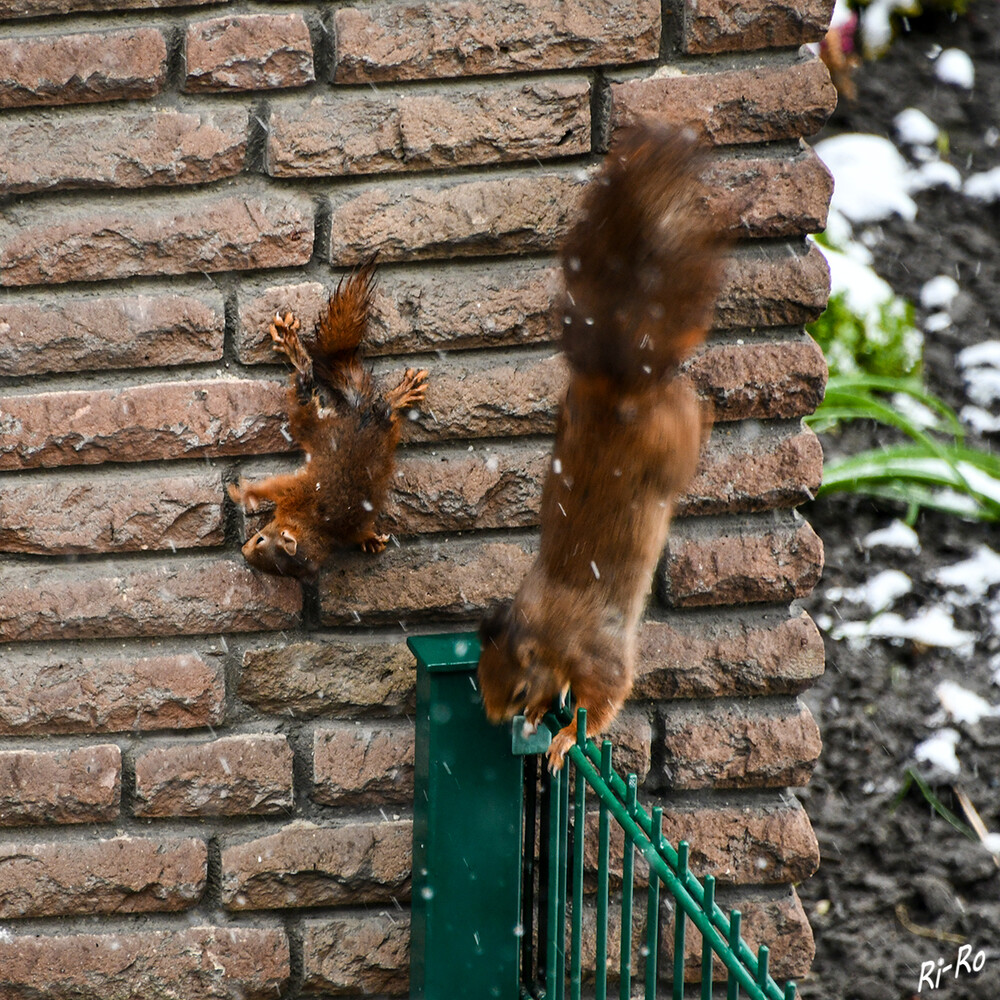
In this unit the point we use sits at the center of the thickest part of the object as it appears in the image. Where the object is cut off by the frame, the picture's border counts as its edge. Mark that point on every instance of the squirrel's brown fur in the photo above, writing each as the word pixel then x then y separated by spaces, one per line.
pixel 348 427
pixel 641 267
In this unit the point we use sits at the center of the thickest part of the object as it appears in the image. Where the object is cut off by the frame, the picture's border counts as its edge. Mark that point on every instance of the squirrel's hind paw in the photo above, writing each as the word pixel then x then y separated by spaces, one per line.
pixel 374 544
pixel 412 389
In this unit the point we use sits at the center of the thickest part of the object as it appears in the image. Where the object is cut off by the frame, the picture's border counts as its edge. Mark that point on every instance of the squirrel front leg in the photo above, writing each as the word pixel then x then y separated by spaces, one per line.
pixel 252 495
pixel 412 389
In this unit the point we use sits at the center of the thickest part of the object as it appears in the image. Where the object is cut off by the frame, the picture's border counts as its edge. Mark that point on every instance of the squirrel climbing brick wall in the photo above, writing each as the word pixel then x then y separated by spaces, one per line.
pixel 192 753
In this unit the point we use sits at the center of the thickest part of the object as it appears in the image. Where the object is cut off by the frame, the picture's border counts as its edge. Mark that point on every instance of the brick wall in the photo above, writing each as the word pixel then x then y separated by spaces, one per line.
pixel 205 773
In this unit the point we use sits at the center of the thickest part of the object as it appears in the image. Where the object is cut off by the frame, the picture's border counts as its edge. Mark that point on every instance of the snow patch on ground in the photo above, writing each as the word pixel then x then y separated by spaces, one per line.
pixel 896 536
pixel 955 67
pixel 984 186
pixel 963 705
pixel 932 626
pixel 878 593
pixel 914 128
pixel 938 750
pixel 970 580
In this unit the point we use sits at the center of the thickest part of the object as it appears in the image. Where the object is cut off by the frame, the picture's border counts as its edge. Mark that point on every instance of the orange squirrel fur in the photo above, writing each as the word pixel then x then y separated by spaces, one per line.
pixel 641 267
pixel 348 426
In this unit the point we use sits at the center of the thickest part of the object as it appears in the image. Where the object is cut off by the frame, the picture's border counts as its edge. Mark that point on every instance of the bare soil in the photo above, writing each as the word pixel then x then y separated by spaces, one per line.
pixel 898 886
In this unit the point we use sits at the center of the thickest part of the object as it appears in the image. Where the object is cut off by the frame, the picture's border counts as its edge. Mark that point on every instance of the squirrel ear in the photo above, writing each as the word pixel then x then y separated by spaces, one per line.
pixel 288 542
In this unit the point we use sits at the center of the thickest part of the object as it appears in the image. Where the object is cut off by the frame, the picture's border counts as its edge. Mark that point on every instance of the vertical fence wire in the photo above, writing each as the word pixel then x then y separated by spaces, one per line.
pixel 694 903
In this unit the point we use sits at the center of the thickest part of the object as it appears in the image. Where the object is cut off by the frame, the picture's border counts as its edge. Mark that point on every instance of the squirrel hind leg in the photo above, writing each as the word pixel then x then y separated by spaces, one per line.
pixel 411 391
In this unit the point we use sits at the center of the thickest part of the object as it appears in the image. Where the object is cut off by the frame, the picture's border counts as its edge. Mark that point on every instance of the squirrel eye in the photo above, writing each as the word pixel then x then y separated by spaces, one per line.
pixel 520 691
pixel 260 540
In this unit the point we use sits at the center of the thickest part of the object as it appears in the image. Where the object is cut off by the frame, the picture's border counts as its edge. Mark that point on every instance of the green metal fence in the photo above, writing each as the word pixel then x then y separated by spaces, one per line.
pixel 499 863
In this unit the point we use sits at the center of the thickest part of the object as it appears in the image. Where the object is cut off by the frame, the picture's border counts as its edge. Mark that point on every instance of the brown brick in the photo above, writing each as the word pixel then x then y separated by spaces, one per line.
pixel 231 776
pixel 379 133
pixel 150 422
pixel 129 149
pixel 723 26
pixel 366 954
pixel 631 733
pixel 49 515
pixel 248 52
pixel 773 919
pixel 335 677
pixel 783 286
pixel 770 917
pixel 46 8
pixel 747 744
pixel 517 213
pixel 755 843
pixel 723 653
pixel 746 466
pixel 60 786
pixel 486 395
pixel 179 597
pixel 123 875
pixel 732 561
pixel 502 303
pixel 758 104
pixel 394 41
pixel 44 690
pixel 366 763
pixel 307 865
pixel 761 379
pixel 196 963
pixel 162 235
pixel 768 198
pixel 114 331
pixel 442 579
pixel 76 69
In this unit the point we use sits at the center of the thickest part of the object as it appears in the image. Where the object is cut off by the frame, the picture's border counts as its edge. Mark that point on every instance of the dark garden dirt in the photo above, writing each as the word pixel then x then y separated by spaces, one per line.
pixel 899 888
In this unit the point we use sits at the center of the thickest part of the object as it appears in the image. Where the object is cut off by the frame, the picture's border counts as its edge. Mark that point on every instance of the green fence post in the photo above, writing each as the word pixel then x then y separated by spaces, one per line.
pixel 467 818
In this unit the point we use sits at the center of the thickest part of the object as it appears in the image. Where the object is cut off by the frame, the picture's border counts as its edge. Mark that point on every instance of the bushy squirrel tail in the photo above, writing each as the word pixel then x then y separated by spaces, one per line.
pixel 642 263
pixel 336 357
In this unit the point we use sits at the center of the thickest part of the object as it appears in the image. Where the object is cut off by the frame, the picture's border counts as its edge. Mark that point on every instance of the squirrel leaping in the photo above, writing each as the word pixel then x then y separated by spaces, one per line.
pixel 347 424
pixel 641 268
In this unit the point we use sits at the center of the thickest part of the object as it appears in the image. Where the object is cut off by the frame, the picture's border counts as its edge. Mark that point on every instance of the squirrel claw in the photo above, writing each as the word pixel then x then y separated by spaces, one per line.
pixel 375 544
pixel 558 749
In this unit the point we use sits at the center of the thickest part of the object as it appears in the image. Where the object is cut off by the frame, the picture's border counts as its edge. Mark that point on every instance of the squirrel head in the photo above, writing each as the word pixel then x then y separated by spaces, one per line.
pixel 518 675
pixel 276 549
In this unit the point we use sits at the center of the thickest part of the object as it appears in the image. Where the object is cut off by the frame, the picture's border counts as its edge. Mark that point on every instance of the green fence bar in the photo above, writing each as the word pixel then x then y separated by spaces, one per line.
pixel 467 819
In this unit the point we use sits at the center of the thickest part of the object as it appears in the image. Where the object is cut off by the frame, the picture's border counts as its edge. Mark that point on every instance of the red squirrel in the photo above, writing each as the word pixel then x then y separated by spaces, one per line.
pixel 641 268
pixel 347 425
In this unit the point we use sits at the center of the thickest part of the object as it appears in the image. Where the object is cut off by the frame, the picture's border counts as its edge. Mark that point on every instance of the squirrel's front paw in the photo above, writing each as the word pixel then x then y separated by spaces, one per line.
pixel 374 544
pixel 559 747
pixel 282 327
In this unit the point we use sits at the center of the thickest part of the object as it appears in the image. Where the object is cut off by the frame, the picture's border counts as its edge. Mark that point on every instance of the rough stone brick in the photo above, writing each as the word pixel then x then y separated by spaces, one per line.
pixel 502 303
pixel 181 597
pixel 76 333
pixel 82 68
pixel 724 653
pixel 394 41
pixel 150 422
pixel 747 466
pixel 335 677
pixel 49 515
pixel 64 690
pixel 632 736
pixel 769 198
pixel 248 52
pixel 249 962
pixel 770 917
pixel 47 8
pixel 162 235
pixel 758 104
pixel 742 843
pixel 60 786
pixel 307 865
pixel 122 875
pixel 773 919
pixel 491 396
pixel 766 288
pixel 760 379
pixel 366 954
pixel 379 133
pixel 724 26
pixel 427 579
pixel 363 763
pixel 517 213
pixel 129 149
pixel 746 744
pixel 231 776
pixel 498 486
pixel 742 561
